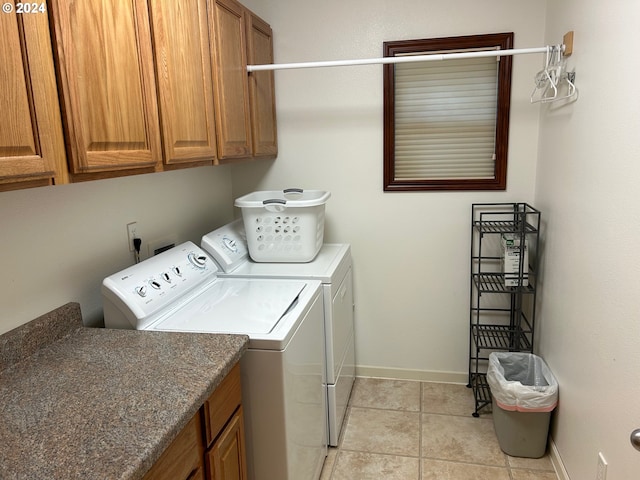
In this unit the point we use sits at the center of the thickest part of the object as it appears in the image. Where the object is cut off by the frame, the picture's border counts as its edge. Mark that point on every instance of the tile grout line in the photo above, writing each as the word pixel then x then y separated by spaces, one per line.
pixel 509 472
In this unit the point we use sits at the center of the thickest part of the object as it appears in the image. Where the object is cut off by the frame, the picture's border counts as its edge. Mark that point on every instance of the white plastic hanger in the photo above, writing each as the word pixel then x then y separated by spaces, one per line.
pixel 554 78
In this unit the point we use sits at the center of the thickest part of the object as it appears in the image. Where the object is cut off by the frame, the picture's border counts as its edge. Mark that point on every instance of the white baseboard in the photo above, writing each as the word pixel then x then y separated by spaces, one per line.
pixel 556 460
pixel 407 374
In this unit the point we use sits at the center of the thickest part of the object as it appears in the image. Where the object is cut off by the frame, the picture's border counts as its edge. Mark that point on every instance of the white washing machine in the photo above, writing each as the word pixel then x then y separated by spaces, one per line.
pixel 283 397
pixel 332 266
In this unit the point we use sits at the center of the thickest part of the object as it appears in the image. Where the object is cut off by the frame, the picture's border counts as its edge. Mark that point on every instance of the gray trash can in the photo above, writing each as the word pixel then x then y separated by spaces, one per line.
pixel 524 393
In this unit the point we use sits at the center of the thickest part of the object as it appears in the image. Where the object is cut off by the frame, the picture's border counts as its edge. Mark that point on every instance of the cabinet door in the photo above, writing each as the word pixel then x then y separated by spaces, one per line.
pixel 185 86
pixel 230 76
pixel 261 88
pixel 108 87
pixel 31 143
pixel 226 459
pixel 182 460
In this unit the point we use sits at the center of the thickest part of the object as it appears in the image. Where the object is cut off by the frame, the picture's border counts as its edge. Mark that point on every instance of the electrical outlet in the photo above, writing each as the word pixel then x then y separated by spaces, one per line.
pixel 602 467
pixel 132 232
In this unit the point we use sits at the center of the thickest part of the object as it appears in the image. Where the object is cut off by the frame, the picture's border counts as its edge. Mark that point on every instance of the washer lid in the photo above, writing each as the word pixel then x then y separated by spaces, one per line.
pixel 235 305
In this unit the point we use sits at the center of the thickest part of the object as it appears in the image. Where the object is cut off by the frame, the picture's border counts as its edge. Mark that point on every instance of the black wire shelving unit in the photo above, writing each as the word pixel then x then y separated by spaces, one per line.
pixel 502 306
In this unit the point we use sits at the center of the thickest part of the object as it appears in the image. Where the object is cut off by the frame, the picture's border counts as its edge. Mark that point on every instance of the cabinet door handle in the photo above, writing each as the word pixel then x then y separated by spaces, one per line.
pixel 635 439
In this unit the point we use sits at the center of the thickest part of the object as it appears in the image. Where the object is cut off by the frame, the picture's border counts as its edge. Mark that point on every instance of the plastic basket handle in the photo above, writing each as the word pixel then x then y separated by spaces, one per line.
pixel 271 201
pixel 275 204
pixel 293 190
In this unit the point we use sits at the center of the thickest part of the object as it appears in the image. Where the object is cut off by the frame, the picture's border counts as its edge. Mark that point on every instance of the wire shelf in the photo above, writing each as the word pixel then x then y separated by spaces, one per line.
pixel 503 227
pixel 494 283
pixel 501 337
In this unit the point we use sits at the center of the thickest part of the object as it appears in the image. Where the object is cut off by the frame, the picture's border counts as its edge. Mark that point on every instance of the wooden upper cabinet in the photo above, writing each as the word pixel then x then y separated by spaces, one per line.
pixel 261 88
pixel 227 31
pixel 107 83
pixel 137 81
pixel 183 61
pixel 31 142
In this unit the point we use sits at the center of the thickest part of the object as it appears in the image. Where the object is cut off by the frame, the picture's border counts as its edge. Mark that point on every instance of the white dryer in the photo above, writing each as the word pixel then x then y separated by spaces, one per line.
pixel 284 401
pixel 333 267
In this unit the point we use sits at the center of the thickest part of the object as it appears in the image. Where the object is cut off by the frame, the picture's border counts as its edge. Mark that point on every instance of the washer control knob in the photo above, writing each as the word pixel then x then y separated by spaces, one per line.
pixel 198 261
pixel 166 277
pixel 177 271
pixel 155 284
pixel 142 291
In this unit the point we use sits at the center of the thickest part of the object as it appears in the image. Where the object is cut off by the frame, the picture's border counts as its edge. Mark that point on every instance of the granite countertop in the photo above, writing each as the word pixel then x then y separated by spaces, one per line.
pixel 92 403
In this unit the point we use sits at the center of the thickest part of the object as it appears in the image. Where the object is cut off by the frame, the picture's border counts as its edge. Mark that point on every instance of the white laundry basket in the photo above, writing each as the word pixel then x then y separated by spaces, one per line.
pixel 284 226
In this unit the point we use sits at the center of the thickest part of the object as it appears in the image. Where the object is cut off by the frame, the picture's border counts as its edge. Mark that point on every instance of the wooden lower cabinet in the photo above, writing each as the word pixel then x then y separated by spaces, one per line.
pixel 224 430
pixel 182 460
pixel 214 438
pixel 226 458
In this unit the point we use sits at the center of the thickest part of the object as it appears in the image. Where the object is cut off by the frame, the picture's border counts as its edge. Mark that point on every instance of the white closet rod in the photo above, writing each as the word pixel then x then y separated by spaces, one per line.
pixel 414 58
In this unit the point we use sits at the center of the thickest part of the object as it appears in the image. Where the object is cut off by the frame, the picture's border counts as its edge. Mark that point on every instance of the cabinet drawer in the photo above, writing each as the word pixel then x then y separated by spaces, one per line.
pixel 220 406
pixel 183 458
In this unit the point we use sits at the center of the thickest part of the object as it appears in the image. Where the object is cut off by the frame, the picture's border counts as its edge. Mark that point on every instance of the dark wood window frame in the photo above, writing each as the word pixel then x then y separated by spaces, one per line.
pixel 503 41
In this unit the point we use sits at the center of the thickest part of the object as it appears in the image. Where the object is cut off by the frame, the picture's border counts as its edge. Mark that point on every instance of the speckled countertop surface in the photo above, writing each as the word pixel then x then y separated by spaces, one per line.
pixel 100 404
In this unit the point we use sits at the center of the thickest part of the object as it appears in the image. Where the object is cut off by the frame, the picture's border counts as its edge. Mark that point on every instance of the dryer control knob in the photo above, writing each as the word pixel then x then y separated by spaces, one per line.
pixel 230 243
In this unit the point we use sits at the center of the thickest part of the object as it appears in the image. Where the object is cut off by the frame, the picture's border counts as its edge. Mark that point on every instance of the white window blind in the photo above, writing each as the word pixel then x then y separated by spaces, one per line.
pixel 445 119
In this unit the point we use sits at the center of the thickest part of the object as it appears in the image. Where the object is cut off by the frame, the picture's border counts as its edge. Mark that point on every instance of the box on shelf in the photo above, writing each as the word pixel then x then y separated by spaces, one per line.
pixel 284 225
pixel 511 251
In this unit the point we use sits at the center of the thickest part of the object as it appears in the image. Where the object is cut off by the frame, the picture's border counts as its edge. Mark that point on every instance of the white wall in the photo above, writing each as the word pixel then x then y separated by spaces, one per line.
pixel 58 243
pixel 410 249
pixel 587 188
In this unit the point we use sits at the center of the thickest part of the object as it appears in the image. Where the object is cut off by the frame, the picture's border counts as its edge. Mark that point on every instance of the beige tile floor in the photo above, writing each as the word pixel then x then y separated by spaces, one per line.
pixel 408 430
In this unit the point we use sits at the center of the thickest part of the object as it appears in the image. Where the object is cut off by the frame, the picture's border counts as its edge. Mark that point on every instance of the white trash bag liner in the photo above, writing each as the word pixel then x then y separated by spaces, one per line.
pixel 521 382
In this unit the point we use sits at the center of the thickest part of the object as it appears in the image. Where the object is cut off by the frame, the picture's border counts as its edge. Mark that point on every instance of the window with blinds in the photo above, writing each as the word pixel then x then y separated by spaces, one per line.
pixel 446 122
